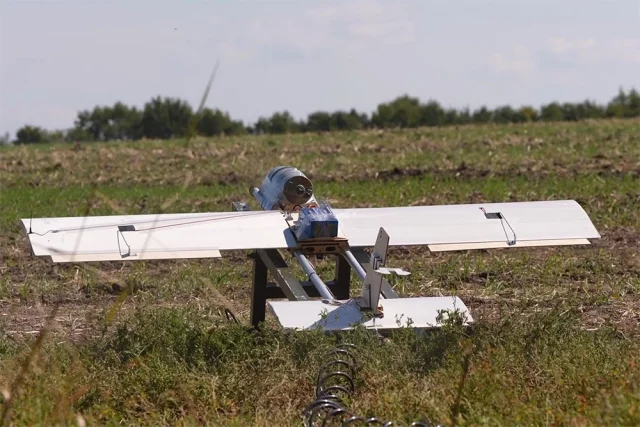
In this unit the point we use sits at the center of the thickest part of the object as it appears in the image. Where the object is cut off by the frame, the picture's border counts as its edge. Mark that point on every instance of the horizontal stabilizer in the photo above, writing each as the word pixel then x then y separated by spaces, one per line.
pixel 419 313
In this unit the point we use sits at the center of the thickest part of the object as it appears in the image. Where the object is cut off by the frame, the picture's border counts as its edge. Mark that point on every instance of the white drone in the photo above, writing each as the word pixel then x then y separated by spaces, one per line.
pixel 293 220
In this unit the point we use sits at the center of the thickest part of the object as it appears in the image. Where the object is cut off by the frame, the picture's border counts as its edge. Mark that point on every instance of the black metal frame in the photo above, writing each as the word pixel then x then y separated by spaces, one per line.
pixel 286 285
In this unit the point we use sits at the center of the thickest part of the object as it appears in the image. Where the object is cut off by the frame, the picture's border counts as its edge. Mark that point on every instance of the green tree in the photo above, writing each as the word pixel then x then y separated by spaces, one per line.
pixel 431 114
pixel 633 104
pixel 453 116
pixel 528 113
pixel 124 122
pixel 165 118
pixel 381 118
pixel 29 134
pixel 505 114
pixel 403 111
pixel 279 123
pixel 570 112
pixel 616 107
pixel 482 115
pixel 363 118
pixel 342 120
pixel 56 136
pixel 215 122
pixel 406 112
pixel 551 112
pixel 320 121
pixel 77 134
pixel 589 110
pixel 104 123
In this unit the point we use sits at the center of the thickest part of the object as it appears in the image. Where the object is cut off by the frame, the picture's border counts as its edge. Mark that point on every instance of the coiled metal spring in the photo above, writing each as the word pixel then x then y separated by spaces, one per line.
pixel 334 387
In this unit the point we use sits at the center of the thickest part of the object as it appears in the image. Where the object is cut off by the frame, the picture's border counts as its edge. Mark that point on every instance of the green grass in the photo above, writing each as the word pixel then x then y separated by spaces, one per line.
pixel 556 336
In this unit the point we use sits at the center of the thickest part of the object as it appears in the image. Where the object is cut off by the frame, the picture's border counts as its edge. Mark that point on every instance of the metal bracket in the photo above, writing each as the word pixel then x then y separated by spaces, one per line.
pixel 121 229
pixel 503 220
pixel 239 206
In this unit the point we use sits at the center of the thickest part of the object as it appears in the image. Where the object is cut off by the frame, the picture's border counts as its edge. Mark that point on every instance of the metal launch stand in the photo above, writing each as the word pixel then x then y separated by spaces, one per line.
pixel 379 304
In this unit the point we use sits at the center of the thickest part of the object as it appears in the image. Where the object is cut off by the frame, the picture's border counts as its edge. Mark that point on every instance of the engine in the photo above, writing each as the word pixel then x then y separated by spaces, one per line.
pixel 285 188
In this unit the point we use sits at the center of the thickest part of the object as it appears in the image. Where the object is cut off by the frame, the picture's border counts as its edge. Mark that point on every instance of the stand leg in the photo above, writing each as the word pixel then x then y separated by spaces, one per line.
pixel 343 278
pixel 259 291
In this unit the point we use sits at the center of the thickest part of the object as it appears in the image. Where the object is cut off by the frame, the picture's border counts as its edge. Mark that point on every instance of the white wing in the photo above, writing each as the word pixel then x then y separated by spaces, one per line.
pixel 162 236
pixel 448 227
pixel 471 226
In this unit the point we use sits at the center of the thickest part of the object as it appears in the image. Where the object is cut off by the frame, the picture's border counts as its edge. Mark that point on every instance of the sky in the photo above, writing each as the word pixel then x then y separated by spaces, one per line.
pixel 58 57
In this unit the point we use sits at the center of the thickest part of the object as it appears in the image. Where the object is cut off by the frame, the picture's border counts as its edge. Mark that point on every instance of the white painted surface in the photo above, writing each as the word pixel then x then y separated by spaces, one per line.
pixel 97 238
pixel 157 236
pixel 372 286
pixel 455 224
pixel 422 312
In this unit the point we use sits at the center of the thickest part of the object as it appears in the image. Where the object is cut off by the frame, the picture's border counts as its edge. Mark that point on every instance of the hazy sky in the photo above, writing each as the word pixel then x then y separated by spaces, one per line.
pixel 58 57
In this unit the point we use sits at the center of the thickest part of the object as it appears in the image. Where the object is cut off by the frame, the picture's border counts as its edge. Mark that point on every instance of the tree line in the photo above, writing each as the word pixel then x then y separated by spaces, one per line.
pixel 167 118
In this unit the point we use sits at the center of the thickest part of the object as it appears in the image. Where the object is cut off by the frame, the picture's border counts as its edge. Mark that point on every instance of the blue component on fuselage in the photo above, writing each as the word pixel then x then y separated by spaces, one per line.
pixel 316 222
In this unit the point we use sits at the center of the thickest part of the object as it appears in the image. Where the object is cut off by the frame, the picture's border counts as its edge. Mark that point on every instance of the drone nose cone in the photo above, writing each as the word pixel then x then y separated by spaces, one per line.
pixel 297 190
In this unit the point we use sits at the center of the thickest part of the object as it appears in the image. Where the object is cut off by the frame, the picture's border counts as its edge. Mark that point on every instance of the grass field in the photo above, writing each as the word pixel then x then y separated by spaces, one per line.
pixel 557 334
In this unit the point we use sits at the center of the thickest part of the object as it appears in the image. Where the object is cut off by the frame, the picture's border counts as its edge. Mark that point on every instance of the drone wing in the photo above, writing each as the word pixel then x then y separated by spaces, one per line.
pixel 204 235
pixel 162 236
pixel 471 226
